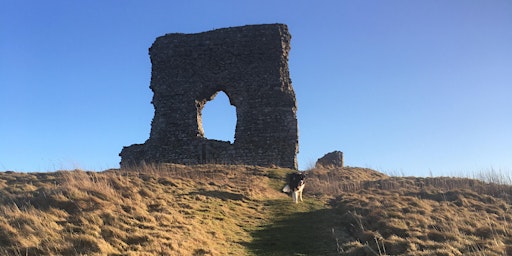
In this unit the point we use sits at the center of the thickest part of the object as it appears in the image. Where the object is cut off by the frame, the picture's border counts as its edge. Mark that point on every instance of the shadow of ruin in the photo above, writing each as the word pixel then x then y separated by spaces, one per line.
pixel 250 65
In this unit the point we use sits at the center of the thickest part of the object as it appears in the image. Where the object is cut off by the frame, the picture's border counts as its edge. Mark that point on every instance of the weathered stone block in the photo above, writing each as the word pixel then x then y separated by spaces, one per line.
pixel 331 160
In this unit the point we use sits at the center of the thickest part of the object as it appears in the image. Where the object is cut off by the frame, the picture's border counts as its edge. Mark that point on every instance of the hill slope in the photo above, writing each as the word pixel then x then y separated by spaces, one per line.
pixel 239 210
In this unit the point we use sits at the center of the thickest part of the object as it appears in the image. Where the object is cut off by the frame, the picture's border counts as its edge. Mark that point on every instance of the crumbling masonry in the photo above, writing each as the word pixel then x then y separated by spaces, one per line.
pixel 250 65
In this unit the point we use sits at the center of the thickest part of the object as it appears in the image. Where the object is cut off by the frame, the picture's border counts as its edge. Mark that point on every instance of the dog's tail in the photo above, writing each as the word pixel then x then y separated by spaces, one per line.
pixel 287 189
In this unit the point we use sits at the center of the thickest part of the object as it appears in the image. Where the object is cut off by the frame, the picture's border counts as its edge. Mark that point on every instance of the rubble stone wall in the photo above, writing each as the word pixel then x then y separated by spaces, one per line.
pixel 250 65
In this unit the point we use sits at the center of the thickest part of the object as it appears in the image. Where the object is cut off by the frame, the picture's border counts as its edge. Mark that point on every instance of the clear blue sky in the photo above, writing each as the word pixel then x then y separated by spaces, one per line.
pixel 405 87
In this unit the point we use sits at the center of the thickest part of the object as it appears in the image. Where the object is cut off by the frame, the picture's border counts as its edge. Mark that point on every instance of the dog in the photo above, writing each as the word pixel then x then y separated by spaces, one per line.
pixel 295 184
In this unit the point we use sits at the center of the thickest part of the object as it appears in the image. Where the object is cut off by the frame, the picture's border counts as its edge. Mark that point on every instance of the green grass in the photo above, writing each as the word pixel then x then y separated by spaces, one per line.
pixel 296 229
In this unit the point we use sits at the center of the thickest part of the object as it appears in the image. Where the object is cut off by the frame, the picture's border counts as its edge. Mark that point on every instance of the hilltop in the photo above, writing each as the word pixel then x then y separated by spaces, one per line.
pixel 239 210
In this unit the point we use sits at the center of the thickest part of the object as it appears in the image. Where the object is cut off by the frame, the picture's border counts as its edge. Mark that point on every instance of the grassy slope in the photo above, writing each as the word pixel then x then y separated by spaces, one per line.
pixel 238 210
pixel 419 216
pixel 164 210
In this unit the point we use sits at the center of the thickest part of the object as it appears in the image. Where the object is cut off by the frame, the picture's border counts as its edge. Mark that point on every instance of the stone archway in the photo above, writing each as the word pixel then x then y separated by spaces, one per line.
pixel 250 65
pixel 217 118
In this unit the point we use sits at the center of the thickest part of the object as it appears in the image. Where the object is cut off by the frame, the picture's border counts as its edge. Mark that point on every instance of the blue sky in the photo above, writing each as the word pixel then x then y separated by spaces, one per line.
pixel 404 87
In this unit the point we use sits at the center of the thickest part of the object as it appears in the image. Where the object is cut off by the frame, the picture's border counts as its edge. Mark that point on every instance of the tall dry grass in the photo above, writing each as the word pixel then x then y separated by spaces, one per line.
pixel 416 216
pixel 149 210
pixel 350 179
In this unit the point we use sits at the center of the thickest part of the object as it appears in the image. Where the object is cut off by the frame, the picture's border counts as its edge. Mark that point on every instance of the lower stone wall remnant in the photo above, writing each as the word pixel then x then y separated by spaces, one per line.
pixel 332 159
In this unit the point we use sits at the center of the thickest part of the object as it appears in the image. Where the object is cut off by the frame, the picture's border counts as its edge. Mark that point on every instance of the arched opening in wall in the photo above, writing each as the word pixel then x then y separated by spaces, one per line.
pixel 219 118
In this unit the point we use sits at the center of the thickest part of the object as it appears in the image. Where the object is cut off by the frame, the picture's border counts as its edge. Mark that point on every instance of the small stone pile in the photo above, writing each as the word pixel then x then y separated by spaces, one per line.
pixel 331 160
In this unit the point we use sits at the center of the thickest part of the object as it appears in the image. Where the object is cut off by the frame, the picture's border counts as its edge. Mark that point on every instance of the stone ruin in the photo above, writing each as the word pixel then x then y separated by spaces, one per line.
pixel 250 65
pixel 331 160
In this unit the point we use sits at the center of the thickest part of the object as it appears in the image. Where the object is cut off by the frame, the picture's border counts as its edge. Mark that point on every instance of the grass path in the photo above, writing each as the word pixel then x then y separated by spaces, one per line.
pixel 296 229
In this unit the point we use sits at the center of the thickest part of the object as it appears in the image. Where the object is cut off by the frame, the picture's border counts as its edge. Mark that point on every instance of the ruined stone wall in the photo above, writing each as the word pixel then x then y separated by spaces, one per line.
pixel 250 65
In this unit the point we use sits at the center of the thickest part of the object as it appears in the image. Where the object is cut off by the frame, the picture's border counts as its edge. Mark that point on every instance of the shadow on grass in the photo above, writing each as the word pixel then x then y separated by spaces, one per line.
pixel 220 195
pixel 301 229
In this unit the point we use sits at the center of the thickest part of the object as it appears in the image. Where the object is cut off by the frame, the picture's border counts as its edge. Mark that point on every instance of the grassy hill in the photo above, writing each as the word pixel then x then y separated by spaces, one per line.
pixel 239 210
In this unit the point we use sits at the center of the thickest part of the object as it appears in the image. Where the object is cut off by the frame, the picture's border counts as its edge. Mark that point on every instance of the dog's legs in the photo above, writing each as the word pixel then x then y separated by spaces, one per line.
pixel 294 196
pixel 300 195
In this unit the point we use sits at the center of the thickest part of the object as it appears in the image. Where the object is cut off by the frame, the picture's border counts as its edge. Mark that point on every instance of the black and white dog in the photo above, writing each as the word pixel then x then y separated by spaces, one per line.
pixel 295 184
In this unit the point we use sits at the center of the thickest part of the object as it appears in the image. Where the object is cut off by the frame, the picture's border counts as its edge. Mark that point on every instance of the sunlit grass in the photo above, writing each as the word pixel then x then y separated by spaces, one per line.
pixel 239 210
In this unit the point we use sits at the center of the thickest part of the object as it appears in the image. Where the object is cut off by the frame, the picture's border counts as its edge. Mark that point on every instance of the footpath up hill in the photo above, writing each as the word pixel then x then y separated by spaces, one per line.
pixel 239 210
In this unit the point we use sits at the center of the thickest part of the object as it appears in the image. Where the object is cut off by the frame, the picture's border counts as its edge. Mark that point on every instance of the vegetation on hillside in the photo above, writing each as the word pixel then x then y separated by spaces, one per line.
pixel 155 210
pixel 417 216
pixel 239 210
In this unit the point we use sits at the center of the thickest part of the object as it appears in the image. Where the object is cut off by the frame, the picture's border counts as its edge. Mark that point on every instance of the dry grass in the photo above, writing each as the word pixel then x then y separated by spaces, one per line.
pixel 402 224
pixel 420 216
pixel 238 210
pixel 152 210
pixel 332 181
